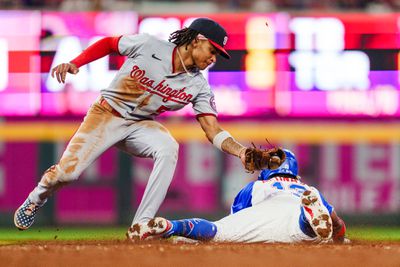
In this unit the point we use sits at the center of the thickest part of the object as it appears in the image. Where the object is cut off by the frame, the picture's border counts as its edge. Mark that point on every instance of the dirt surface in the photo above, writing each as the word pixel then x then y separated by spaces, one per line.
pixel 124 253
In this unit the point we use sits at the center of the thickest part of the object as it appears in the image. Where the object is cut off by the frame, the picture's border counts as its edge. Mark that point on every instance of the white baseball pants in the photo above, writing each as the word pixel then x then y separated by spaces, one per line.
pixel 102 129
pixel 273 220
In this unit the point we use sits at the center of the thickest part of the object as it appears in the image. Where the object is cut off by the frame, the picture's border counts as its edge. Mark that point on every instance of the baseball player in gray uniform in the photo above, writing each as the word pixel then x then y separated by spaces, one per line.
pixel 157 76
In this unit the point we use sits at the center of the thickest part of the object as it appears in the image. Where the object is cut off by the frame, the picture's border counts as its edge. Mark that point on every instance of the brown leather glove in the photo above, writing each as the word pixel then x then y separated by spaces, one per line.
pixel 258 159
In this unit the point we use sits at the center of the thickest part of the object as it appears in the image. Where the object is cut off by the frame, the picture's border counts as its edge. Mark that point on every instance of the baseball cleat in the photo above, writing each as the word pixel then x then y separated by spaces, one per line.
pixel 155 228
pixel 182 240
pixel 317 214
pixel 25 215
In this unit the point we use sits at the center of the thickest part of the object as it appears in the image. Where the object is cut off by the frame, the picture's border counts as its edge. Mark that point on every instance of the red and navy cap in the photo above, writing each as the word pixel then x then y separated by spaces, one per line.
pixel 214 32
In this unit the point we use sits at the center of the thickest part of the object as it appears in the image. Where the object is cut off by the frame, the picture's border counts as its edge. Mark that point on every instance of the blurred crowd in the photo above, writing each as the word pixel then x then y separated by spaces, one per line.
pixel 219 5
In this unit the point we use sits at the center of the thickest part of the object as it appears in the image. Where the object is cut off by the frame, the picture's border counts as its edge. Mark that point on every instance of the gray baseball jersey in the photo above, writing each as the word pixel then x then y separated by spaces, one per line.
pixel 146 84
pixel 144 87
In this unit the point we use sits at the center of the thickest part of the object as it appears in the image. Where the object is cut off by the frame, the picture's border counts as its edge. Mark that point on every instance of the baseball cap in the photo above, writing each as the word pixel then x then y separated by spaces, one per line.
pixel 214 32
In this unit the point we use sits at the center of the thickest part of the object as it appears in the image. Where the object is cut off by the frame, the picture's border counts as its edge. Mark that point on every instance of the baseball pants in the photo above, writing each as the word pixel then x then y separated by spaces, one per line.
pixel 100 130
pixel 273 220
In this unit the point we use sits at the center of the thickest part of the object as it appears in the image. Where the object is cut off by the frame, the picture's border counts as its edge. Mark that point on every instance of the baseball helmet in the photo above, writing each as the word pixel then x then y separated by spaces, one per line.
pixel 287 168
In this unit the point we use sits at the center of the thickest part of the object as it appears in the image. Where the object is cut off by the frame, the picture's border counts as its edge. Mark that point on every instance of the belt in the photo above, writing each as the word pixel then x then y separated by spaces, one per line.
pixel 109 108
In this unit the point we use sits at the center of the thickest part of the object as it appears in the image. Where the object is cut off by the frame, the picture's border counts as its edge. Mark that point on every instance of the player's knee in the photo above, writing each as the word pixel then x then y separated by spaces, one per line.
pixel 169 149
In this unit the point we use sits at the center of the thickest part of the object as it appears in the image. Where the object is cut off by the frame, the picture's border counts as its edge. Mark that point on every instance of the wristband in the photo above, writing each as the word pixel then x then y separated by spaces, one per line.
pixel 220 138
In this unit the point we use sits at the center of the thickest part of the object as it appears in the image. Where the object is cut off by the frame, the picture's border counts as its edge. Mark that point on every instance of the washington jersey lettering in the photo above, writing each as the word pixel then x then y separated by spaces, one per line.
pixel 146 84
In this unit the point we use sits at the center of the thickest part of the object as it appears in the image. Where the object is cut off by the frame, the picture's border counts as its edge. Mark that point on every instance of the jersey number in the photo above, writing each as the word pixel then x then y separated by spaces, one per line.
pixel 299 189
pixel 162 109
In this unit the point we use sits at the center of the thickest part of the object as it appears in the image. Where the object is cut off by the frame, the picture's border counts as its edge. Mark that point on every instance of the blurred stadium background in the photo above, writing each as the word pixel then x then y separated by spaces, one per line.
pixel 322 79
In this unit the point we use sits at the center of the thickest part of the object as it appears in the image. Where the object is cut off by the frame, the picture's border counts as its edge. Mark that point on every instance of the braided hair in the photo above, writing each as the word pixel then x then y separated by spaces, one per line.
pixel 183 37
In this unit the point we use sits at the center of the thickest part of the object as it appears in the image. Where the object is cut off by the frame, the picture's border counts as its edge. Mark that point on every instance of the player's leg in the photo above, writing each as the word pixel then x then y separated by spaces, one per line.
pixel 99 130
pixel 196 228
pixel 315 215
pixel 152 140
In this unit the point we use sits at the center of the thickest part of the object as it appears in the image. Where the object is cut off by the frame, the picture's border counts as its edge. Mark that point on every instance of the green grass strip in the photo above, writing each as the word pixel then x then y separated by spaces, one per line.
pixel 374 233
pixel 68 233
pixel 12 235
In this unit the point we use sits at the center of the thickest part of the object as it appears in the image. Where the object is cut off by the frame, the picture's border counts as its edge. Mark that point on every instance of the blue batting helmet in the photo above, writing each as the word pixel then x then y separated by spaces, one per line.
pixel 288 167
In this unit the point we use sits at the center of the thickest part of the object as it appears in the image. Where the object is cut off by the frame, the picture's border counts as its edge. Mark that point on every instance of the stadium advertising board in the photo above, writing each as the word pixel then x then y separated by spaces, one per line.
pixel 331 65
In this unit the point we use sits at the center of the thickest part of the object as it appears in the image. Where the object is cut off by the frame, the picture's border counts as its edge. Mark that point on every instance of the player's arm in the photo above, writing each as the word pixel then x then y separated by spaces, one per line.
pixel 99 49
pixel 339 228
pixel 243 199
pixel 220 138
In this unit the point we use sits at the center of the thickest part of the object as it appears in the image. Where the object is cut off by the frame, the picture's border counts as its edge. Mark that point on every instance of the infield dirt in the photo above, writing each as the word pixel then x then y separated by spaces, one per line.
pixel 158 253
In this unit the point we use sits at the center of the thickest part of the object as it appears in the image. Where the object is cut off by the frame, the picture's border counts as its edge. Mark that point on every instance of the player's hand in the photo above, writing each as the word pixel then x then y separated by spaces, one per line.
pixel 62 69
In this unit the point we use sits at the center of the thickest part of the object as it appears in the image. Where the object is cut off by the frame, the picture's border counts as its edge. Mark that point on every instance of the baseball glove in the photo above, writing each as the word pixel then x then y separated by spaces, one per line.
pixel 258 159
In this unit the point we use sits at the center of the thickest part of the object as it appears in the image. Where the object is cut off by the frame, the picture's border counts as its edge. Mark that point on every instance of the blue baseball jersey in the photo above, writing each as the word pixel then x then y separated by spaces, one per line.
pixel 271 211
pixel 258 191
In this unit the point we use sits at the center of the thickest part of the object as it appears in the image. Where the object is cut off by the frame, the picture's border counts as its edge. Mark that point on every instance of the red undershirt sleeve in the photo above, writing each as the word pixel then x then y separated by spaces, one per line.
pixel 99 49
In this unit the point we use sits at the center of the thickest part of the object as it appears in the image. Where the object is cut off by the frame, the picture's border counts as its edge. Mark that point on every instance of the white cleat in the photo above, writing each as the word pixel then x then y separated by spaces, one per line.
pixel 154 229
pixel 317 214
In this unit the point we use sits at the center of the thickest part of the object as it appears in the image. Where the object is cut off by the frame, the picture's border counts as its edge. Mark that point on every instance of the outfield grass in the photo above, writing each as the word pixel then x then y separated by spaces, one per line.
pixel 374 233
pixel 12 235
